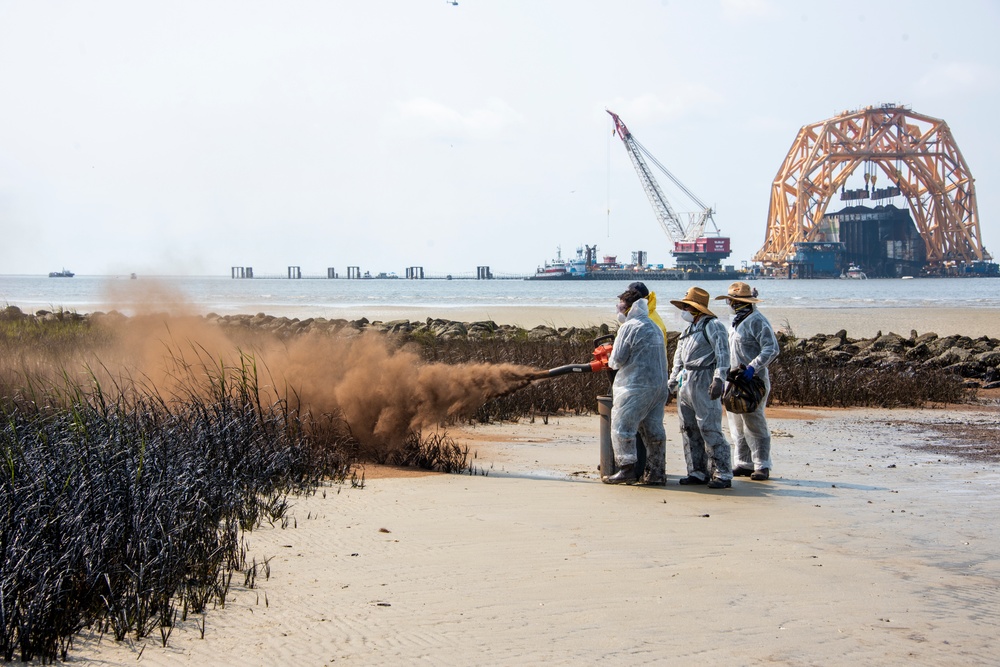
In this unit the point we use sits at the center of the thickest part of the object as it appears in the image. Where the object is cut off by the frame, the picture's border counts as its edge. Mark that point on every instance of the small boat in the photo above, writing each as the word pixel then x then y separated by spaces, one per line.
pixel 854 272
pixel 61 274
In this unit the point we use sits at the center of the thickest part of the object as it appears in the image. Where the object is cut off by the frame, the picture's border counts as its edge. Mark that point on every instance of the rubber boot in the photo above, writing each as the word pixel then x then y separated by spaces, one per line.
pixel 625 475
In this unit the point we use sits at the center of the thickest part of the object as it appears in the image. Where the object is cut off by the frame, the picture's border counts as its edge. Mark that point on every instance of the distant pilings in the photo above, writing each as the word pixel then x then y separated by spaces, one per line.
pixel 355 273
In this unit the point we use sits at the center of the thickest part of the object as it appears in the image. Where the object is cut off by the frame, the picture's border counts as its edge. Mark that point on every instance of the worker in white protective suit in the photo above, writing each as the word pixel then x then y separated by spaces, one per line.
pixel 752 346
pixel 697 377
pixel 639 391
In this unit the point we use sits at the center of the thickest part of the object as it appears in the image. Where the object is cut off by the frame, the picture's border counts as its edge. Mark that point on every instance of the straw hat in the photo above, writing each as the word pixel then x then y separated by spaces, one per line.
pixel 739 292
pixel 697 298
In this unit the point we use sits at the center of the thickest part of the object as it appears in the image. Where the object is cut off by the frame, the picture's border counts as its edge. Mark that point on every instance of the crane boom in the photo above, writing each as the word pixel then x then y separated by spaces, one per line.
pixel 673 227
pixel 665 215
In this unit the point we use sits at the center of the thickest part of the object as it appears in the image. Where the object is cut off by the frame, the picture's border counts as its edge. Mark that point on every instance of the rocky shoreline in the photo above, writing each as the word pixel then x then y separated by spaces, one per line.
pixel 976 360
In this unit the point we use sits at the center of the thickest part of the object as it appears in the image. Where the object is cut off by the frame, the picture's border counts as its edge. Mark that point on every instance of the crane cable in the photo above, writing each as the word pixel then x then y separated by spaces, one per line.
pixel 669 175
pixel 609 178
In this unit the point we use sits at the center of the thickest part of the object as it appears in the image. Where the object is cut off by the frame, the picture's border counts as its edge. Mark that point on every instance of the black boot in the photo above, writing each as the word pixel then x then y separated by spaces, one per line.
pixel 625 475
pixel 692 480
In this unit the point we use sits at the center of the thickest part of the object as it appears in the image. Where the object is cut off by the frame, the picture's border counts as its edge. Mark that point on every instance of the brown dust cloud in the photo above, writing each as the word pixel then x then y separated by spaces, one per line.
pixel 381 390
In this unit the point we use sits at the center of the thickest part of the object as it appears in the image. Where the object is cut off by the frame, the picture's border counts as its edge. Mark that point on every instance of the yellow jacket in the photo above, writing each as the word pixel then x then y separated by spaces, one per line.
pixel 655 316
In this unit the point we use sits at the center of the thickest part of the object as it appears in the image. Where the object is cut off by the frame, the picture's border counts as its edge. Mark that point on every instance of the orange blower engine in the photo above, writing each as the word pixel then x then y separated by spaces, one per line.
pixel 602 350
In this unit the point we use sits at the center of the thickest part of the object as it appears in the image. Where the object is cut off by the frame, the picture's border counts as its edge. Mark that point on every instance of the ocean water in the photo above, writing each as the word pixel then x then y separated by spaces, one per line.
pixel 327 298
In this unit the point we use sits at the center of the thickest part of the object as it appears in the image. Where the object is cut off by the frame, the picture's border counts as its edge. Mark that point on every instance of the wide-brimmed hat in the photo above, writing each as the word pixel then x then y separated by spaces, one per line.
pixel 697 298
pixel 739 292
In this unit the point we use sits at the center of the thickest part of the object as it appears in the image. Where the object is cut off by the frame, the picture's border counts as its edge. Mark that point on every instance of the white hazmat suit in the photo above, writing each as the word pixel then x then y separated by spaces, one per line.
pixel 702 354
pixel 639 392
pixel 752 343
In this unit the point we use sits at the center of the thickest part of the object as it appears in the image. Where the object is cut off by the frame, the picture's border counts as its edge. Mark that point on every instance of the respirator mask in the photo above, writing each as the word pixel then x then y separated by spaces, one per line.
pixel 622 311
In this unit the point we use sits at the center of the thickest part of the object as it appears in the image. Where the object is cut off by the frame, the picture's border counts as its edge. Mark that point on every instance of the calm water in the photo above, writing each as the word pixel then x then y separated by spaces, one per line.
pixel 325 298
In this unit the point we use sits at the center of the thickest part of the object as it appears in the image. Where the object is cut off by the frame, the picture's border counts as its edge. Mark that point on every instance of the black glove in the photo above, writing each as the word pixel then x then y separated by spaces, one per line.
pixel 715 389
pixel 672 386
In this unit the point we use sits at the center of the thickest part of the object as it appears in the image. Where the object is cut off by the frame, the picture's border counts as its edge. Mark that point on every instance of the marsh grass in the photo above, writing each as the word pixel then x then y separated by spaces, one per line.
pixel 125 513
pixel 798 380
pixel 437 451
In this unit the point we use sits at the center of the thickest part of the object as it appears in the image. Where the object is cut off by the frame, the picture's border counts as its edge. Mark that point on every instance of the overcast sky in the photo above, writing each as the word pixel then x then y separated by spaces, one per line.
pixel 181 137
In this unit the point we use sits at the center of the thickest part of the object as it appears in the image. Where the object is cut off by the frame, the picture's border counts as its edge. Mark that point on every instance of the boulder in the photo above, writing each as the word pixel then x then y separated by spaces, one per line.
pixel 838 357
pixel 990 359
pixel 542 332
pixel 487 325
pixel 398 327
pixel 833 343
pixel 918 352
pixel 967 369
pixel 952 355
pixel 890 341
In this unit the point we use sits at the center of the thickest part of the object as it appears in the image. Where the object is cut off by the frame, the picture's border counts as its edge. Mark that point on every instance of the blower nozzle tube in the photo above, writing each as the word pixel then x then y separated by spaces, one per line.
pixel 564 370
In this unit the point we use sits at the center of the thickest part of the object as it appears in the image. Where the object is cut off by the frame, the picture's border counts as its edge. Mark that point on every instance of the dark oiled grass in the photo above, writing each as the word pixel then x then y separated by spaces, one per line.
pixel 432 452
pixel 127 515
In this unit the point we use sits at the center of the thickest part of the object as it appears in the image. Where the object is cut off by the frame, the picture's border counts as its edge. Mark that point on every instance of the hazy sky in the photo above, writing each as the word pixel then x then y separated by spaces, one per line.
pixel 188 137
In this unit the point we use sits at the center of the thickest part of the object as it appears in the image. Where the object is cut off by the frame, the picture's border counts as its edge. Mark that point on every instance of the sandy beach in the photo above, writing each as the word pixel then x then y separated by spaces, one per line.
pixel 863 548
pixel 803 322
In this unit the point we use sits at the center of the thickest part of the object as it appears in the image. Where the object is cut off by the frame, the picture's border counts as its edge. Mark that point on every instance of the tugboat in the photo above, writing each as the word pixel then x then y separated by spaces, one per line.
pixel 61 274
pixel 558 269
